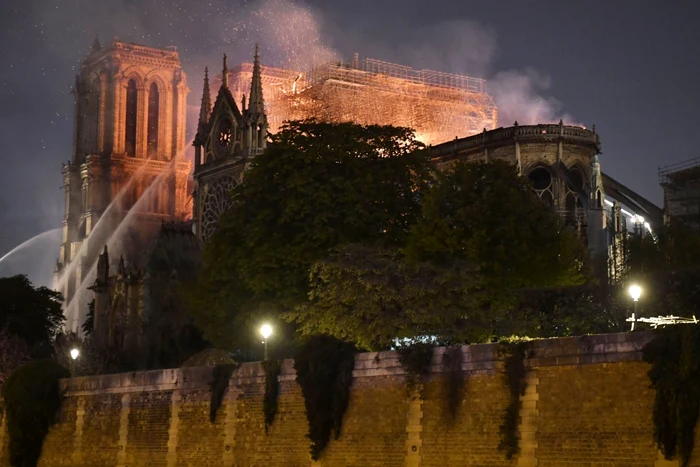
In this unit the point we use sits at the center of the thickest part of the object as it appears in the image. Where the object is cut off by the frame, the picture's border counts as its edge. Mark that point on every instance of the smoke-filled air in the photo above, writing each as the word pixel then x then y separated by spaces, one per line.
pixel 293 35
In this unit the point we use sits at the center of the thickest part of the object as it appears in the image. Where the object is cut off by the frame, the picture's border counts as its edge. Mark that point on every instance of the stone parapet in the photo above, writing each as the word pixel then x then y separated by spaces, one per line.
pixel 587 401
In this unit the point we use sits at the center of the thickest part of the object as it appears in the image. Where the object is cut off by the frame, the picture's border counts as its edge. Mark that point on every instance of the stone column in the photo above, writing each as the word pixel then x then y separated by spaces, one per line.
pixel 414 427
pixel 78 457
pixel 119 116
pixel 101 114
pixel 123 430
pixel 180 119
pixel 527 430
pixel 141 121
pixel 175 400
pixel 230 425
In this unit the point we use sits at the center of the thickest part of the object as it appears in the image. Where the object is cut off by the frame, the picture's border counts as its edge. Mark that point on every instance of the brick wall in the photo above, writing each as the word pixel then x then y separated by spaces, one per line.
pixel 588 403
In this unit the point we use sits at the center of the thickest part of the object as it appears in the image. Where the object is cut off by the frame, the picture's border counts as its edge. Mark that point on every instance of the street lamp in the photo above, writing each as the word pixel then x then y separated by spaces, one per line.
pixel 635 292
pixel 74 353
pixel 266 331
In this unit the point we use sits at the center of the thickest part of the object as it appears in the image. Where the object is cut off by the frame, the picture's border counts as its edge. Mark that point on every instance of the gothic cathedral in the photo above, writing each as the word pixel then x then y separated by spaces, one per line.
pixel 227 139
pixel 129 130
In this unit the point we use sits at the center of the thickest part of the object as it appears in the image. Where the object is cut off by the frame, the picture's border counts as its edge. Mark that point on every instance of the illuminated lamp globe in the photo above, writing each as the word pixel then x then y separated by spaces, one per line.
pixel 635 292
pixel 74 353
pixel 266 330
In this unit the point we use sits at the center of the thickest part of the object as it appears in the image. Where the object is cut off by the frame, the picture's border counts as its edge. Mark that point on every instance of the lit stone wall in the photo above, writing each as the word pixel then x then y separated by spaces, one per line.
pixel 587 402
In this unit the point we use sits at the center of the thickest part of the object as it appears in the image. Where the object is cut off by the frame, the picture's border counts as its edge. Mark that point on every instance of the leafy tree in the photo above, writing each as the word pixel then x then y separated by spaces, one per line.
pixel 89 323
pixel 13 354
pixel 487 215
pixel 371 296
pixel 32 314
pixel 318 186
pixel 564 311
pixel 32 400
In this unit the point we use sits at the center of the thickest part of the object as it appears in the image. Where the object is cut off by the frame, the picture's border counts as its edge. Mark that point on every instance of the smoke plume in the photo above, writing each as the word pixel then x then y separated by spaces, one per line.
pixel 49 38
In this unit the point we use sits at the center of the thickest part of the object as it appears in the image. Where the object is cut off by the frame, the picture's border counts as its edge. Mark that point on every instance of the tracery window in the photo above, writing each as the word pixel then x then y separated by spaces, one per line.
pixel 574 207
pixel 541 181
pixel 216 200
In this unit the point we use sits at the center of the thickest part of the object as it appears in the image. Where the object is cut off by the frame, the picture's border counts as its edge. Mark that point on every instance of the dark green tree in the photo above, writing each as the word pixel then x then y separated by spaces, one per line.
pixel 488 216
pixel 318 186
pixel 30 313
pixel 372 296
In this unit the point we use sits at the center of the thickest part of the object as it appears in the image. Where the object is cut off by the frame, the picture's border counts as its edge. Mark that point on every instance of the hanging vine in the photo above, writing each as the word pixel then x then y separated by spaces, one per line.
pixel 514 372
pixel 324 367
pixel 674 355
pixel 32 401
pixel 416 359
pixel 221 375
pixel 455 378
pixel 272 371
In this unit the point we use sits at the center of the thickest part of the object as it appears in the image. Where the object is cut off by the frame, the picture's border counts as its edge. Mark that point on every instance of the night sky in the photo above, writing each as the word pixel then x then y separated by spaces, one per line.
pixel 629 67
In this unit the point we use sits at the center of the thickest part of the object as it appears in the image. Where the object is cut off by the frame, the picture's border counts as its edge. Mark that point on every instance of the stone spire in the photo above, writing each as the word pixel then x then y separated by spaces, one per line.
pixel 205 110
pixel 597 195
pixel 224 74
pixel 96 46
pixel 256 104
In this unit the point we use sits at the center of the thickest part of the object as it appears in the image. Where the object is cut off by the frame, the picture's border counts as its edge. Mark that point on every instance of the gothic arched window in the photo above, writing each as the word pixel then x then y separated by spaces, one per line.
pixel 153 106
pixel 541 181
pixel 131 111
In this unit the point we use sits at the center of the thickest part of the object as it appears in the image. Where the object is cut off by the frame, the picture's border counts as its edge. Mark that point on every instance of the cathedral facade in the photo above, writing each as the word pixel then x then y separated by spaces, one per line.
pixel 139 315
pixel 129 131
pixel 127 165
pixel 563 166
pixel 228 138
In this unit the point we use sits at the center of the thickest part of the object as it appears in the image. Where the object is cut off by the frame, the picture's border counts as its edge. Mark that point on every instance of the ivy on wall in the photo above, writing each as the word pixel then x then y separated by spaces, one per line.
pixel 32 401
pixel 324 367
pixel 221 375
pixel 416 359
pixel 514 373
pixel 674 355
pixel 272 371
pixel 455 379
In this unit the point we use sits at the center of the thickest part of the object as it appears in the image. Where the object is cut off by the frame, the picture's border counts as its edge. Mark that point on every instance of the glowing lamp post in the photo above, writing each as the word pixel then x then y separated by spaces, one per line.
pixel 265 331
pixel 74 354
pixel 635 292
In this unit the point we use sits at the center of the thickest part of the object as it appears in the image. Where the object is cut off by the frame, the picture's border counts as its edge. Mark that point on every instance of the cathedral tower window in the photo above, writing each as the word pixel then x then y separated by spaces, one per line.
pixel 153 107
pixel 131 112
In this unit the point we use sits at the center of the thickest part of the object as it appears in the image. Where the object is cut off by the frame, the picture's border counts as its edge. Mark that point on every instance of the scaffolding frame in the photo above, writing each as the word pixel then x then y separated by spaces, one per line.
pixel 438 106
pixel 681 185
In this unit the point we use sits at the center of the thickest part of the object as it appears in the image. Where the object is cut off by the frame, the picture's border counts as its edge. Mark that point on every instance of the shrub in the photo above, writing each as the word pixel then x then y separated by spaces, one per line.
pixel 32 400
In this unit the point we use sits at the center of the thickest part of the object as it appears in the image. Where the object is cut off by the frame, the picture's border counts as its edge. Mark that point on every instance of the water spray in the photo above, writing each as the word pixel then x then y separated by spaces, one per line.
pixel 71 312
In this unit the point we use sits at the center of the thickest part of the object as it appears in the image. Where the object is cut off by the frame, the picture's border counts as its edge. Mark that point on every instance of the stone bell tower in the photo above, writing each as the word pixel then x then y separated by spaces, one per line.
pixel 128 143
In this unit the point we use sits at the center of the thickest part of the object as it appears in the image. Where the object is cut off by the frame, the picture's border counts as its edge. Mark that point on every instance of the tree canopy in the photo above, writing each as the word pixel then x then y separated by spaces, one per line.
pixel 30 313
pixel 349 230
pixel 487 215
pixel 318 186
pixel 372 296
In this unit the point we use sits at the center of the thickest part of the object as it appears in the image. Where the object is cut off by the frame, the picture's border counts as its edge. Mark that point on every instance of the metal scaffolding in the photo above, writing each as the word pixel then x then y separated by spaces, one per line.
pixel 438 106
pixel 681 185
